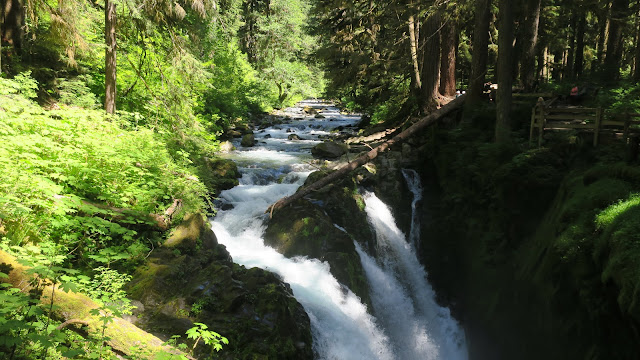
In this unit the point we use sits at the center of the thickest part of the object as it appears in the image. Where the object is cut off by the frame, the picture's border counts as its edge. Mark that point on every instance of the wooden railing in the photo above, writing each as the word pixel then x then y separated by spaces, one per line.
pixel 544 117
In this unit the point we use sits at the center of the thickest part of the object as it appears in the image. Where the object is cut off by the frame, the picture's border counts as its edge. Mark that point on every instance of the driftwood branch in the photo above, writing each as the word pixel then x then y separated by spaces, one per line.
pixel 432 118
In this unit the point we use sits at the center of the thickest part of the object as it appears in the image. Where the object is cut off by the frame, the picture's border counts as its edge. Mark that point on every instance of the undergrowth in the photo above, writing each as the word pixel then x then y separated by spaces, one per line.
pixel 78 190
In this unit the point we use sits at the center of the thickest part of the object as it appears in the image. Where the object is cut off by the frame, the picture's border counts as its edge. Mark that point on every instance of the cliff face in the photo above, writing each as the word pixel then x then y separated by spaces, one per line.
pixel 536 251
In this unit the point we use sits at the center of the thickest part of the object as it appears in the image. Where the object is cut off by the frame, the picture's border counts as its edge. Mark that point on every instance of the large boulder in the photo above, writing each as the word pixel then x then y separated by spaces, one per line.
pixel 309 110
pixel 192 235
pixel 218 174
pixel 329 150
pixel 325 226
pixel 248 140
pixel 193 279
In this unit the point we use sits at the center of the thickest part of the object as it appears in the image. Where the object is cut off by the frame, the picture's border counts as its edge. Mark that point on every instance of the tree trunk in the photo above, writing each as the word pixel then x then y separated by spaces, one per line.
pixel 572 47
pixel 413 45
pixel 110 57
pixel 558 60
pixel 505 80
pixel 480 53
pixel 12 18
pixel 636 72
pixel 432 118
pixel 430 34
pixel 529 45
pixel 615 48
pixel 603 22
pixel 448 59
pixel 579 62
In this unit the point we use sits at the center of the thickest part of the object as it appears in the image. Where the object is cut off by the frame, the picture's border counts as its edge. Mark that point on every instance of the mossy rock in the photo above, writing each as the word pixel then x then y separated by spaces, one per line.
pixel 218 174
pixel 305 229
pixel 193 234
pixel 248 140
pixel 329 150
pixel 253 308
pixel 122 336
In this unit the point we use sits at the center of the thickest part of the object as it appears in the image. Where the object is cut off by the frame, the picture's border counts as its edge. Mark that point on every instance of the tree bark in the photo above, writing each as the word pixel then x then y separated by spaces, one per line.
pixel 603 22
pixel 12 18
pixel 432 118
pixel 529 45
pixel 480 51
pixel 448 59
pixel 615 48
pixel 413 45
pixel 558 61
pixel 110 57
pixel 573 23
pixel 505 80
pixel 636 72
pixel 431 62
pixel 579 62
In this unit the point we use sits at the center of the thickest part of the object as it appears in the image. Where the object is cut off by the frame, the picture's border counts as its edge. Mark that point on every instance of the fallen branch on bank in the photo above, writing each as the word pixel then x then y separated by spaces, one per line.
pixel 161 222
pixel 432 118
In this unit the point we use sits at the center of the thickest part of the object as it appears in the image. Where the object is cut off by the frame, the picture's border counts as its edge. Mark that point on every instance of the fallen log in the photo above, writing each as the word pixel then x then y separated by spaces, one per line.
pixel 74 308
pixel 160 222
pixel 345 169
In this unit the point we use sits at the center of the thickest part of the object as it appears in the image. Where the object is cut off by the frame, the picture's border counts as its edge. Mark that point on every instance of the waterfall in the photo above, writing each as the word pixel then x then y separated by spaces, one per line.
pixel 402 299
pixel 408 323
pixel 415 186
pixel 341 326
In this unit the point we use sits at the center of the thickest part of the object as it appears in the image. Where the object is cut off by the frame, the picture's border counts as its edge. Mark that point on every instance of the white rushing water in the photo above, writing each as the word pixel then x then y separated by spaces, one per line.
pixel 341 326
pixel 403 300
pixel 415 186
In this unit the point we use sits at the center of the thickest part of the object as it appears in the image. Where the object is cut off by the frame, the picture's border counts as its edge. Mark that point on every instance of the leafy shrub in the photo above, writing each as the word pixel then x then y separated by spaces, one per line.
pixel 75 92
pixel 56 164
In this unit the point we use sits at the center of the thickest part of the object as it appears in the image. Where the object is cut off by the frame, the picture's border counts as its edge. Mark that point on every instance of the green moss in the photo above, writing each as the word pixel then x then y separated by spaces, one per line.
pixel 304 229
pixel 611 214
pixel 618 250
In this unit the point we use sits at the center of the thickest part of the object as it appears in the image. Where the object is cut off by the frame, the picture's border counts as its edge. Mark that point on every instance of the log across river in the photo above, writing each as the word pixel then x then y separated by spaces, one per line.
pixel 404 322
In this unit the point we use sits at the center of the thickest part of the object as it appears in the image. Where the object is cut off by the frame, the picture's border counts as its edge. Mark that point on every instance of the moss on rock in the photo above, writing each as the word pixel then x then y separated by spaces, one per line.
pixel 191 235
pixel 218 174
pixel 324 227
pixel 253 308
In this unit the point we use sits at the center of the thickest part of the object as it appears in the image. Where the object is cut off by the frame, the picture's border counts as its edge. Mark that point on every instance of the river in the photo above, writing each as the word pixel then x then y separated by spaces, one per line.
pixel 405 322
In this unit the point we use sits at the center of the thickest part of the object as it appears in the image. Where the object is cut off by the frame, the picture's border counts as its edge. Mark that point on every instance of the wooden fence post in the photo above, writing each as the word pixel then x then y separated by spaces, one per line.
pixel 627 124
pixel 541 119
pixel 596 131
pixel 534 113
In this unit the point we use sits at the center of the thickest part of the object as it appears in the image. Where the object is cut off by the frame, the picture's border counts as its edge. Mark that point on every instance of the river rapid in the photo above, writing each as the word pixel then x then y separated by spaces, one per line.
pixel 405 322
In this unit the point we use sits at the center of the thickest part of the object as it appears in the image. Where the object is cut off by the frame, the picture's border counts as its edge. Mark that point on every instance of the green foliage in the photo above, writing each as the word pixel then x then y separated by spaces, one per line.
pixel 211 338
pixel 625 97
pixel 75 92
pixel 607 217
pixel 618 248
pixel 58 164
pixel 277 43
